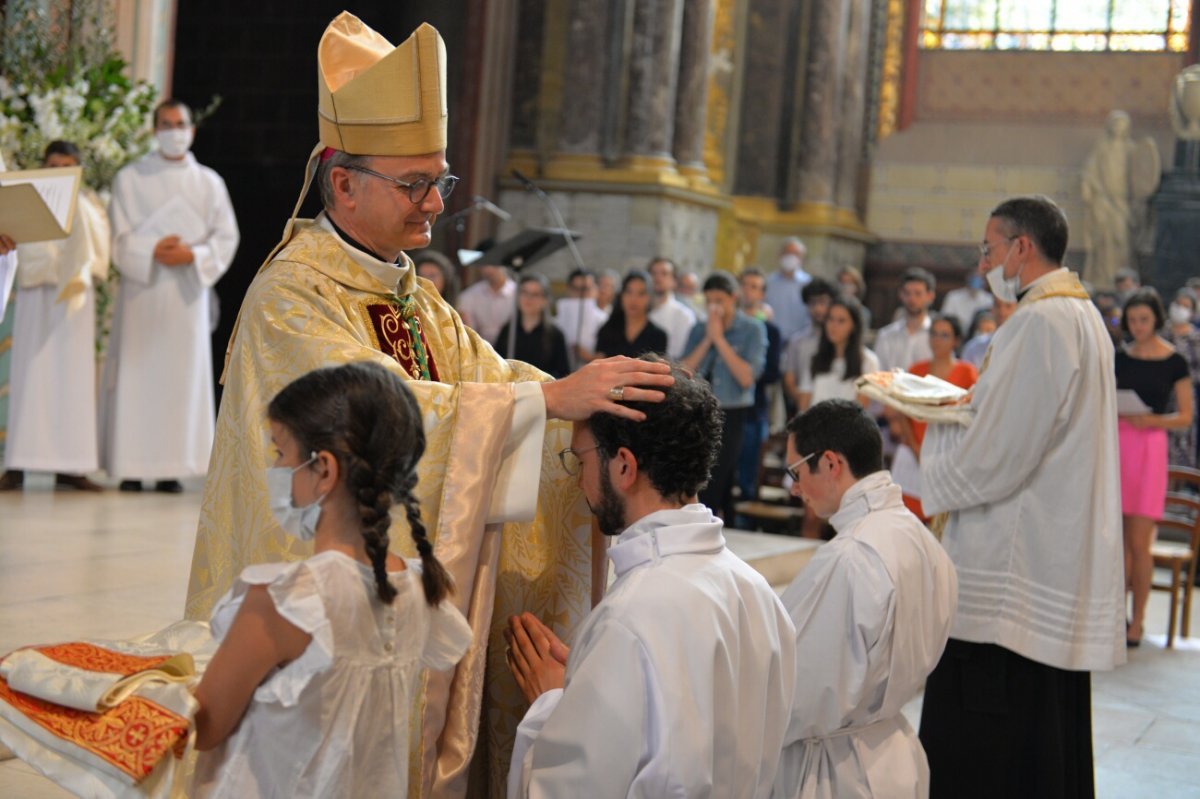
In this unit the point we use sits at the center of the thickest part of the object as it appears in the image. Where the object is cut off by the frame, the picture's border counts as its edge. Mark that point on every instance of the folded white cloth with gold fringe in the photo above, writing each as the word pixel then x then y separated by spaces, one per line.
pixel 926 399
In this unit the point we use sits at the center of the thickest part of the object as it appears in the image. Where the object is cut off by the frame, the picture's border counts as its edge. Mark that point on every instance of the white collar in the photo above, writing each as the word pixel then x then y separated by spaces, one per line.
pixel 694 529
pixel 874 492
pixel 387 273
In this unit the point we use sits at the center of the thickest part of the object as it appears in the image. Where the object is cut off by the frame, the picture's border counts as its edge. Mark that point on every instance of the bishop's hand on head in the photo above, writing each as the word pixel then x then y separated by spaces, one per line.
pixel 593 389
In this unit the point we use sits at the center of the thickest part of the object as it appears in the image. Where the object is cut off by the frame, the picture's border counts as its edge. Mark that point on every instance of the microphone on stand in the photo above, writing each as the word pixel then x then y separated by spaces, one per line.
pixel 558 220
pixel 490 207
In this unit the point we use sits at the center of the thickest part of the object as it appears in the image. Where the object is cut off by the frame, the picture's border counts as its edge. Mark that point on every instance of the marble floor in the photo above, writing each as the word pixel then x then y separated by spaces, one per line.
pixel 115 565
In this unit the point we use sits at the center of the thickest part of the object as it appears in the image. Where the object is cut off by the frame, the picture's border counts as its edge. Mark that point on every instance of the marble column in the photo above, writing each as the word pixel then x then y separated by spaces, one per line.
pixel 691 104
pixel 653 78
pixel 527 67
pixel 855 80
pixel 817 157
pixel 583 100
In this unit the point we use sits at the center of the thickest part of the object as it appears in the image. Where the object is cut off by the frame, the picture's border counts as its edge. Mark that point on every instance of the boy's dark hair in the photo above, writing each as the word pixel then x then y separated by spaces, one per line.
pixel 817 287
pixel 840 426
pixel 915 274
pixel 721 281
pixel 172 102
pixel 1040 219
pixel 60 147
pixel 677 444
pixel 369 420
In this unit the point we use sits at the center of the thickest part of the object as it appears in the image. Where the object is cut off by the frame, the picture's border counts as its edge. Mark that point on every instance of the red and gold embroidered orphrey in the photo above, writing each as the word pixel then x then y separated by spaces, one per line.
pixel 393 337
pixel 133 736
pixel 90 657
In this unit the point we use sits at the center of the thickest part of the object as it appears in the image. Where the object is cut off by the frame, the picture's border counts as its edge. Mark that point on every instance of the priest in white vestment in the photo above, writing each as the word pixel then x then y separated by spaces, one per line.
pixel 872 611
pixel 52 404
pixel 174 235
pixel 680 680
pixel 1034 529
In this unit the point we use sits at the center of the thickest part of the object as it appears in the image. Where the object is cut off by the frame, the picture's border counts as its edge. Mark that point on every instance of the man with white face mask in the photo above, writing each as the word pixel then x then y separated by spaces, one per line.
pixel 1034 529
pixel 783 290
pixel 174 235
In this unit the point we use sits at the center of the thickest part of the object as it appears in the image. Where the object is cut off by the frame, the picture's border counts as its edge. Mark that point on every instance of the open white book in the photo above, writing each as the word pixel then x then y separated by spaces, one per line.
pixel 35 205
pixel 39 204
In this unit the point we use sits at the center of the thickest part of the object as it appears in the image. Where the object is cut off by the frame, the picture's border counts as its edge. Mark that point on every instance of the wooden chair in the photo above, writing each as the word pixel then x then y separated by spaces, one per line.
pixel 1177 546
pixel 772 507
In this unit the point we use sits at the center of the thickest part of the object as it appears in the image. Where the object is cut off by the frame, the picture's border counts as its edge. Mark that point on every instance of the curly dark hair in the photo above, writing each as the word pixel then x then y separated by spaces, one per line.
pixel 677 444
pixel 368 419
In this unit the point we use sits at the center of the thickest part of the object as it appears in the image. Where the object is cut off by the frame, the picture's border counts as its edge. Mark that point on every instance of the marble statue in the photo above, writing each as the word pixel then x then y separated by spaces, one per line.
pixel 1118 176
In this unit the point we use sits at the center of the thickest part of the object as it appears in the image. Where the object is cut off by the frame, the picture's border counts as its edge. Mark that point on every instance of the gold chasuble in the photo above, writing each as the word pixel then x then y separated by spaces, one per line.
pixel 313 306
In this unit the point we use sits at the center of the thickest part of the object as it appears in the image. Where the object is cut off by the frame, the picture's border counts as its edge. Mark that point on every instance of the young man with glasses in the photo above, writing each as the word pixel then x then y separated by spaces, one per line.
pixel 340 288
pixel 872 611
pixel 680 680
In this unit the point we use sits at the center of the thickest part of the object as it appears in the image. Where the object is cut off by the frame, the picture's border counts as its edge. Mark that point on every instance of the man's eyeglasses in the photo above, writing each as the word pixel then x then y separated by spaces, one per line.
pixel 418 190
pixel 570 459
pixel 985 249
pixel 792 467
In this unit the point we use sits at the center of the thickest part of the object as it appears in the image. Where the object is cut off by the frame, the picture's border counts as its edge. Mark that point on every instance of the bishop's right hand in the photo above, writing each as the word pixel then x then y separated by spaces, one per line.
pixel 592 389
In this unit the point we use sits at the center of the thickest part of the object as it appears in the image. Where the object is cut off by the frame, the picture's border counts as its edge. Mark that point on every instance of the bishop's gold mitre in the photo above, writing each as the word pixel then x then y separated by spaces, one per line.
pixel 376 99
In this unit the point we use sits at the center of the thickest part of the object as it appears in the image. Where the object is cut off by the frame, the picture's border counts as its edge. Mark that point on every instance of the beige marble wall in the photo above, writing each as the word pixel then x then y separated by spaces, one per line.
pixel 990 125
pixel 146 37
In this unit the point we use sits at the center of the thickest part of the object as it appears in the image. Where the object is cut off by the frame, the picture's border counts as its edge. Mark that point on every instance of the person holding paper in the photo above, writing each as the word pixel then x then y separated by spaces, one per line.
pixel 1158 374
pixel 52 405
pixel 505 519
pixel 174 235
pixel 1031 488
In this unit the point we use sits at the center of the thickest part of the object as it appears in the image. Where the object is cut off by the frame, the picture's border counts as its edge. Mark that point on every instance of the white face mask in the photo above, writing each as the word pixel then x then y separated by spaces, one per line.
pixel 790 262
pixel 1180 314
pixel 174 143
pixel 299 523
pixel 1004 289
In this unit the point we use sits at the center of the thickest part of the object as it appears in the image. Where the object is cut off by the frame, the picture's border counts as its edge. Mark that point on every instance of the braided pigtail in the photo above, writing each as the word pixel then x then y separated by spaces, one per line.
pixel 374 499
pixel 434 577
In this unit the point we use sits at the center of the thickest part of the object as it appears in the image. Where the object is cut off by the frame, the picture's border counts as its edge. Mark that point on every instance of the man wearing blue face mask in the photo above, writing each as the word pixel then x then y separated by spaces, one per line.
pixel 967 301
pixel 1032 493
pixel 174 235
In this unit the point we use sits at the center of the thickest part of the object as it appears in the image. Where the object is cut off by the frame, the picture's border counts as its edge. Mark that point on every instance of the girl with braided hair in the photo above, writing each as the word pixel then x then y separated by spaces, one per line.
pixel 309 693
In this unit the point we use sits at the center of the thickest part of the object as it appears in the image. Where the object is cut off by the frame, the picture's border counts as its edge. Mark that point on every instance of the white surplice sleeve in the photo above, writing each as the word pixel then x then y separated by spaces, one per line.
pixel 132 252
pixel 1018 402
pixel 214 254
pixel 593 740
pixel 842 605
pixel 514 496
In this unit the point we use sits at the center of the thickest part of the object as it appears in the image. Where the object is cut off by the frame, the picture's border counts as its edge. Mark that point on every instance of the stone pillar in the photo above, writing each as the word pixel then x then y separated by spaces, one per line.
pixel 691 103
pixel 764 80
pixel 816 164
pixel 855 80
pixel 650 125
pixel 583 99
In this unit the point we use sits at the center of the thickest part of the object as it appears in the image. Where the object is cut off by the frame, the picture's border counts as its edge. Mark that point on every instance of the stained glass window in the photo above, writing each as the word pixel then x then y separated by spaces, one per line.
pixel 1068 25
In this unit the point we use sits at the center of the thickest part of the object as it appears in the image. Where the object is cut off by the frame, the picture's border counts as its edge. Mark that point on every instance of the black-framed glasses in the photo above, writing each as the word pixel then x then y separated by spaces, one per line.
pixel 418 190
pixel 569 458
pixel 792 467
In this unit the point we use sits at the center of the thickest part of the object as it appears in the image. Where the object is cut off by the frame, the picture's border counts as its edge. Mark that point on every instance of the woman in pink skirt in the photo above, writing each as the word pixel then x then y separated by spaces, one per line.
pixel 1152 368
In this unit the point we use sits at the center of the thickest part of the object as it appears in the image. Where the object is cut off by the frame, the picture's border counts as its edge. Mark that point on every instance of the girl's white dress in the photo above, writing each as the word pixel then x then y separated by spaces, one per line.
pixel 334 722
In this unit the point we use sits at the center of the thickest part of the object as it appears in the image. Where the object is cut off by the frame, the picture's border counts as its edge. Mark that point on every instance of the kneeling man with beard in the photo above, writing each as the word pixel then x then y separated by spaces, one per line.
pixel 680 681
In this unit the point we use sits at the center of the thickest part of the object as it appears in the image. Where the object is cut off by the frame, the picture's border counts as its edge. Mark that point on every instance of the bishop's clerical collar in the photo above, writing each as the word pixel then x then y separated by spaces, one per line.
pixel 353 242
